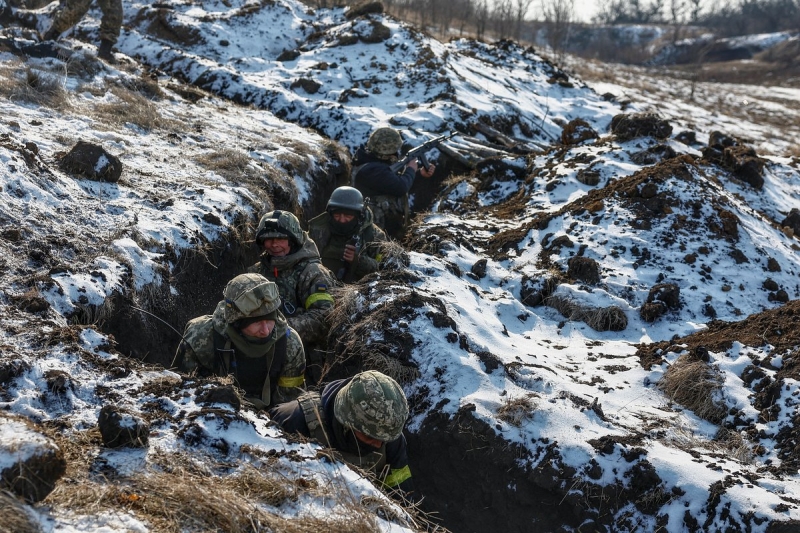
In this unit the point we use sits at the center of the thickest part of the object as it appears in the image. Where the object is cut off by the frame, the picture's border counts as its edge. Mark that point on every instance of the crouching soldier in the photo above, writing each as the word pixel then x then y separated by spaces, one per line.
pixel 347 239
pixel 248 338
pixel 292 261
pixel 361 419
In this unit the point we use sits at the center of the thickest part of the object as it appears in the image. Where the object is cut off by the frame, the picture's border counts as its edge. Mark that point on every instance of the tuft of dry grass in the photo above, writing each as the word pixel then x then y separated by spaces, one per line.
pixel 34 86
pixel 14 515
pixel 610 318
pixel 131 107
pixel 515 411
pixel 227 162
pixel 695 384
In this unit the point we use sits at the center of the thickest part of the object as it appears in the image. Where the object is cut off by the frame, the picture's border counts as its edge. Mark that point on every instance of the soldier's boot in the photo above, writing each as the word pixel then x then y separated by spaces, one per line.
pixel 51 35
pixel 104 52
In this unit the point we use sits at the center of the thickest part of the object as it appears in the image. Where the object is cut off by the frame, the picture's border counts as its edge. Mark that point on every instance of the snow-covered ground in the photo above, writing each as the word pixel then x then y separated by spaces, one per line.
pixel 75 242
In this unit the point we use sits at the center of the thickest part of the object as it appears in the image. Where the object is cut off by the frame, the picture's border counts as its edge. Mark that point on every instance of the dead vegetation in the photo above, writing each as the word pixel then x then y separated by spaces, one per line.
pixel 176 494
pixel 132 107
pixel 35 86
pixel 14 515
pixel 611 318
pixel 696 385
pixel 516 411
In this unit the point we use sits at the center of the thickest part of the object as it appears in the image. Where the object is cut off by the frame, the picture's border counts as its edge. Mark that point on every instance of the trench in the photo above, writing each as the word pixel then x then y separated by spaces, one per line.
pixel 471 480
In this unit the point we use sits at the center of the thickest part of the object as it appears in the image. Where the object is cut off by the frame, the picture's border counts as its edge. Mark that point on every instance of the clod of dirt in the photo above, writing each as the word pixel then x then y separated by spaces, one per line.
pixel 36 462
pixel 661 297
pixel 479 268
pixel 31 302
pixel 792 221
pixel 224 395
pixel 121 428
pixel 288 55
pixel 308 85
pixel 576 131
pixel 653 155
pixel 58 381
pixel 584 269
pixel 92 162
pixel 631 126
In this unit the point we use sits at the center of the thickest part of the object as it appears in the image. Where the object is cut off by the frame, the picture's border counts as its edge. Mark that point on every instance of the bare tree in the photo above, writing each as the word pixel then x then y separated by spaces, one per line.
pixel 558 17
pixel 481 18
pixel 521 11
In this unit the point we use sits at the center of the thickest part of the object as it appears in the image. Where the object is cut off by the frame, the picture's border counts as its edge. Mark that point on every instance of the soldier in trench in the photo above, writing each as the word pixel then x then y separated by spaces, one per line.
pixel 248 338
pixel 361 420
pixel 348 240
pixel 387 190
pixel 291 260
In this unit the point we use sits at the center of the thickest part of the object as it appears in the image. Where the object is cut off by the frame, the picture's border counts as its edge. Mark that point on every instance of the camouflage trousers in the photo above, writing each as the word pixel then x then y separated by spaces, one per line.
pixel 73 11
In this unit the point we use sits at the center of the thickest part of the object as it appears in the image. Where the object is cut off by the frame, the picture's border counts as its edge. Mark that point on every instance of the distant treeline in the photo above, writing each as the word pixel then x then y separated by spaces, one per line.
pixel 524 19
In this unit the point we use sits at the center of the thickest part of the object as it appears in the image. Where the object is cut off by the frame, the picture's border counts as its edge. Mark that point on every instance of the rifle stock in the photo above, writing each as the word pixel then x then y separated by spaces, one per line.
pixel 420 152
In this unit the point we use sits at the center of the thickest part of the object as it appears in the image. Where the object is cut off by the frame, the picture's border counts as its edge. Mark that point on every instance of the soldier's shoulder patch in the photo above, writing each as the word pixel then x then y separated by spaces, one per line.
pixel 321 287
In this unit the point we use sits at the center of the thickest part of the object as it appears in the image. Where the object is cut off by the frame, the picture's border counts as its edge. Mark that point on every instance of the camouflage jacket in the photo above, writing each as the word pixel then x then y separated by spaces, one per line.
pixel 331 246
pixel 303 283
pixel 201 353
pixel 319 423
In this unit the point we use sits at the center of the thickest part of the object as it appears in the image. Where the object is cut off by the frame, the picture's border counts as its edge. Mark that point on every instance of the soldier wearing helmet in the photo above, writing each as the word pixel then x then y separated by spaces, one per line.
pixel 387 191
pixel 361 419
pixel 348 241
pixel 248 338
pixel 291 260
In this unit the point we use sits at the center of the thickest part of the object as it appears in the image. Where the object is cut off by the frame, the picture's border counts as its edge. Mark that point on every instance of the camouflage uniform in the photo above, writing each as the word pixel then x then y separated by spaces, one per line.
pixel 323 230
pixel 214 345
pixel 387 191
pixel 369 402
pixel 73 11
pixel 301 278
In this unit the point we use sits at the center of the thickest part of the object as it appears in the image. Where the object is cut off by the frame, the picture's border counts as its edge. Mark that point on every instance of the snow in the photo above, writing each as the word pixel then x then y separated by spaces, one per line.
pixel 424 87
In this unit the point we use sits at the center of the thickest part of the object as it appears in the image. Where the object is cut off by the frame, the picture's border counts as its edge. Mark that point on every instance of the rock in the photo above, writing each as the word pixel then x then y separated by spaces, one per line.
pixel 630 126
pixel 651 311
pixel 689 138
pixel 307 84
pixel 92 162
pixel 479 268
pixel 119 428
pixel 584 269
pixel 773 265
pixel 31 461
pixel 577 131
pixel 771 285
pixel 792 221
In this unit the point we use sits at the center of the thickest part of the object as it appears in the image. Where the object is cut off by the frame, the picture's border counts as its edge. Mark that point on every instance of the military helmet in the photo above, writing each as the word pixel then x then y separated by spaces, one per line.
pixel 374 404
pixel 248 296
pixel 346 198
pixel 279 225
pixel 384 141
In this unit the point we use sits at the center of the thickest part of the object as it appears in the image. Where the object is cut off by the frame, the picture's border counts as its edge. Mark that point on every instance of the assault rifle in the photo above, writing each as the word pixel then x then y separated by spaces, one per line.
pixel 420 152
pixel 347 272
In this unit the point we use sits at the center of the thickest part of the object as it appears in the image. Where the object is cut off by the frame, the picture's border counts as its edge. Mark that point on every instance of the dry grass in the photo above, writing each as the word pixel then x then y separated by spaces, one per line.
pixel 610 318
pixel 34 86
pixel 177 495
pixel 515 411
pixel 132 107
pixel 227 162
pixel 345 317
pixel 14 515
pixel 694 385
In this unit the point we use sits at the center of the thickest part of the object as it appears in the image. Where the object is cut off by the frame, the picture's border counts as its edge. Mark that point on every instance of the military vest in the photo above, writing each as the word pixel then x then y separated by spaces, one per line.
pixel 311 404
pixel 253 374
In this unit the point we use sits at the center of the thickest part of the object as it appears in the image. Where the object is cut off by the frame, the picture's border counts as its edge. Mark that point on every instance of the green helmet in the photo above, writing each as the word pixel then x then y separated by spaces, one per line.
pixel 384 141
pixel 346 198
pixel 279 225
pixel 374 404
pixel 248 296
